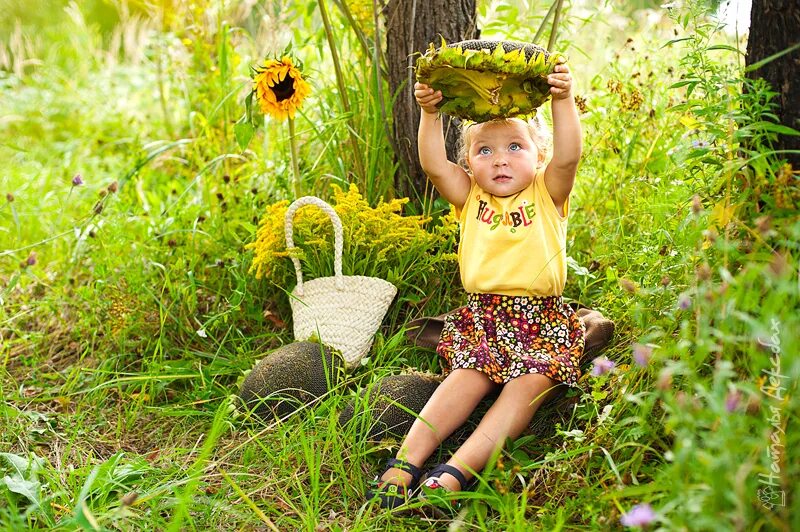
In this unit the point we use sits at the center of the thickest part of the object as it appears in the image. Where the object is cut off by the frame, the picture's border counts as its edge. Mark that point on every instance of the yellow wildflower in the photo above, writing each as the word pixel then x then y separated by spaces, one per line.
pixel 279 87
pixel 378 241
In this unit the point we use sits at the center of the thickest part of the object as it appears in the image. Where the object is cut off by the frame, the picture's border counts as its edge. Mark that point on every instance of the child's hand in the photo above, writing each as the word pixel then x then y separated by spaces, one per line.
pixel 560 82
pixel 427 98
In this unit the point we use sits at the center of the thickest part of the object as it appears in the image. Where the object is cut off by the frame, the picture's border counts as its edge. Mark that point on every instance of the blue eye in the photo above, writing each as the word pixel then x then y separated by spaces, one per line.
pixel 514 147
pixel 485 150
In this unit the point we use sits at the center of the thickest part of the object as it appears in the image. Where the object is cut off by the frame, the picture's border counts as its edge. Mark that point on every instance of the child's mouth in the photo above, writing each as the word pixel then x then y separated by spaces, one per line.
pixel 502 178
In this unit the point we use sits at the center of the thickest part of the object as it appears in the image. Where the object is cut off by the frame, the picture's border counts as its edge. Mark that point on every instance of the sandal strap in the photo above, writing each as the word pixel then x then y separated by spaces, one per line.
pixel 388 495
pixel 452 471
pixel 408 467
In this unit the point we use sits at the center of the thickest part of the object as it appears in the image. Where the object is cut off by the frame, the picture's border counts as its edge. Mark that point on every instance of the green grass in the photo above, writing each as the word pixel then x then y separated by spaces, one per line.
pixel 123 340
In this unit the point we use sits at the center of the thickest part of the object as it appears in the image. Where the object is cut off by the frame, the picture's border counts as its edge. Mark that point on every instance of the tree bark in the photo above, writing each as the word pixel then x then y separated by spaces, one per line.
pixel 773 28
pixel 410 26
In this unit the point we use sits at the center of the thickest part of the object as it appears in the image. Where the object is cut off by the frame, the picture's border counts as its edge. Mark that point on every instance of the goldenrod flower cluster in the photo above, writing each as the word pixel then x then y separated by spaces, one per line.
pixel 123 313
pixel 270 243
pixel 121 303
pixel 781 187
pixel 362 11
pixel 378 241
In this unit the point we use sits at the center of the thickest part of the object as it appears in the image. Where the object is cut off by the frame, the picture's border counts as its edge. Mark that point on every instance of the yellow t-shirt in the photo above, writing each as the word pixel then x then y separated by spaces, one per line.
pixel 514 245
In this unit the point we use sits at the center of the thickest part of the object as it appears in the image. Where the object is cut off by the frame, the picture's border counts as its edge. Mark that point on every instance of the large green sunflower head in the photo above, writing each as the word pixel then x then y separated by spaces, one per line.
pixel 483 80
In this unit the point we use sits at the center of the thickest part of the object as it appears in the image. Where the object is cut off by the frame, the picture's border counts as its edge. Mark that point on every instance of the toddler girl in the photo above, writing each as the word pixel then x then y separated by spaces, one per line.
pixel 515 332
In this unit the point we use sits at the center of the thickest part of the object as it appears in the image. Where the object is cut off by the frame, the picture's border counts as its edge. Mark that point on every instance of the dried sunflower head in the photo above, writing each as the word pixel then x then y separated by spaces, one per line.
pixel 482 80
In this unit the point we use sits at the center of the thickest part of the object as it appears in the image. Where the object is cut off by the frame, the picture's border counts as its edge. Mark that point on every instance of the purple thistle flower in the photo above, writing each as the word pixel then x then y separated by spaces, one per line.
pixel 601 366
pixel 640 515
pixel 642 354
pixel 77 180
pixel 684 302
pixel 31 260
pixel 732 400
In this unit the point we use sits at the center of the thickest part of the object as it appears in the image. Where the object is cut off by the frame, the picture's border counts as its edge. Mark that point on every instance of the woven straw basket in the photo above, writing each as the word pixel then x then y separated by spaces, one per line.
pixel 344 311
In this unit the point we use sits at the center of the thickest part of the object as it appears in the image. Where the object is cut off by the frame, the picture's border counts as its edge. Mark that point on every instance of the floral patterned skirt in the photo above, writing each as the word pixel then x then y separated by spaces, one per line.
pixel 509 336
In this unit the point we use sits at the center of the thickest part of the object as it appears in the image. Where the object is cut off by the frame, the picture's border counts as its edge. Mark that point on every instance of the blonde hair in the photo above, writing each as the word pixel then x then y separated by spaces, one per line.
pixel 539 132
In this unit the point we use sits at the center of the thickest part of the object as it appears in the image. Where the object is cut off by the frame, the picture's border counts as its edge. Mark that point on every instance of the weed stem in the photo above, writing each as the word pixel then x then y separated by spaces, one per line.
pixel 296 188
pixel 342 89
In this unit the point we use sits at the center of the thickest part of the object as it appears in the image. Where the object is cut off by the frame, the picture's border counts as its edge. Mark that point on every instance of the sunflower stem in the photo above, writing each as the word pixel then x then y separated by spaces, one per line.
pixel 554 31
pixel 295 181
pixel 342 89
pixel 160 52
pixel 544 23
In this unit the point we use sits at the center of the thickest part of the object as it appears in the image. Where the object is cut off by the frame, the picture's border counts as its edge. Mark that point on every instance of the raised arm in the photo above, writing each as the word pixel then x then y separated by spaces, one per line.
pixel 450 179
pixel 559 176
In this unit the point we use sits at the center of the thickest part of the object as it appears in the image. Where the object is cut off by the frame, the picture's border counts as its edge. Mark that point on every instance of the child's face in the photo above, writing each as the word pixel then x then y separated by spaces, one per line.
pixel 502 156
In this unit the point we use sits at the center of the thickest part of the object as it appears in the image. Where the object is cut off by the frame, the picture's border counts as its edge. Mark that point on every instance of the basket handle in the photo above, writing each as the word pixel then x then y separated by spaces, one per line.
pixel 337 238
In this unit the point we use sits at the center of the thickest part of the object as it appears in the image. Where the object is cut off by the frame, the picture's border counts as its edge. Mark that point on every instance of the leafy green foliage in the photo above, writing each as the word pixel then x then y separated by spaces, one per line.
pixel 130 310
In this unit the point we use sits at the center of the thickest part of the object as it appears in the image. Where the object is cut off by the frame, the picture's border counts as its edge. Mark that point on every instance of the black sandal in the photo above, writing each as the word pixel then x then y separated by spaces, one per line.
pixel 438 506
pixel 440 469
pixel 390 495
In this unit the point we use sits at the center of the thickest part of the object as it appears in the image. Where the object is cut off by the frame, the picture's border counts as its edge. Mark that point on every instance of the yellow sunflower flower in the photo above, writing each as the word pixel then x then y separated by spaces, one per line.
pixel 280 88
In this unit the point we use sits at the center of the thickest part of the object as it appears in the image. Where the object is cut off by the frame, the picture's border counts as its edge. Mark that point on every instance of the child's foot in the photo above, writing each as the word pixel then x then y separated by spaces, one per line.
pixel 393 488
pixel 447 477
pixel 395 475
pixel 440 481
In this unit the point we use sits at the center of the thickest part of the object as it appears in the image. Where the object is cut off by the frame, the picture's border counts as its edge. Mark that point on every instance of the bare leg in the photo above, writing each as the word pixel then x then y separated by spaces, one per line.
pixel 507 418
pixel 446 410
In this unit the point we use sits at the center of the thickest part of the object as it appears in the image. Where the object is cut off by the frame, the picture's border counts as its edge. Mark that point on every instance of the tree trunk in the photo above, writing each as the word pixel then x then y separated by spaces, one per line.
pixel 773 28
pixel 410 26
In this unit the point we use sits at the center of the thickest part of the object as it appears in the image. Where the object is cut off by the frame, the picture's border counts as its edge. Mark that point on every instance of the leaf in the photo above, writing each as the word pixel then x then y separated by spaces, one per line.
pixel 689 121
pixel 725 47
pixel 24 467
pixel 11 284
pixel 247 226
pixel 674 41
pixel 722 215
pixel 520 456
pixel 248 108
pixel 634 491
pixel 599 395
pixel 17 462
pixel 577 269
pixel 683 83
pixel 243 131
pixel 759 64
pixel 777 128
pixel 85 518
pixel 27 488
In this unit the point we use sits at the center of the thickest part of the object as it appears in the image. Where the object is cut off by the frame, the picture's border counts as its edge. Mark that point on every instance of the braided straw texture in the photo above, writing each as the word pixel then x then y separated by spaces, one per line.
pixel 344 311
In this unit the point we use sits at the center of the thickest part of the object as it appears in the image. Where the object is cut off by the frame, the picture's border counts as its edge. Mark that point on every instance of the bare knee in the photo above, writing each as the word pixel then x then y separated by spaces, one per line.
pixel 532 389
